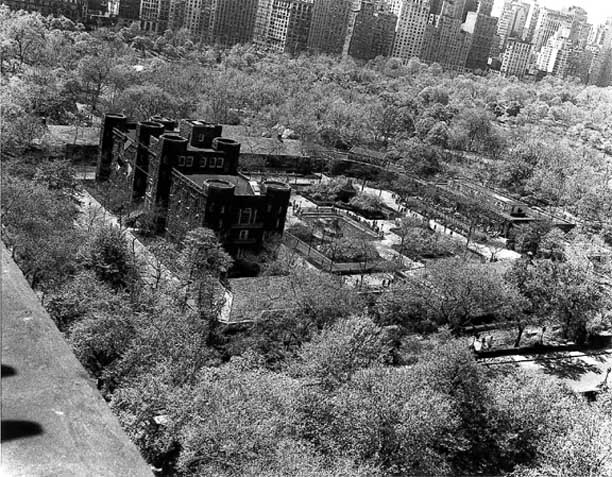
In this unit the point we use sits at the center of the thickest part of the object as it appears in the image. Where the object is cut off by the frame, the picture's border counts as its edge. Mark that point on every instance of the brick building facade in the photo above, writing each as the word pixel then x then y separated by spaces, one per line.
pixel 188 175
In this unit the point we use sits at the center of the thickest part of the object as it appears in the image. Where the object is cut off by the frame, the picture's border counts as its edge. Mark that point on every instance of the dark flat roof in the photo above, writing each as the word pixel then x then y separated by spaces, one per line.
pixel 243 187
pixel 67 428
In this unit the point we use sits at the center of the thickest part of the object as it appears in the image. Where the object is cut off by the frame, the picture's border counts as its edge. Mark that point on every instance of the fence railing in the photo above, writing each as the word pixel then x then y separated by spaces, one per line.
pixel 328 265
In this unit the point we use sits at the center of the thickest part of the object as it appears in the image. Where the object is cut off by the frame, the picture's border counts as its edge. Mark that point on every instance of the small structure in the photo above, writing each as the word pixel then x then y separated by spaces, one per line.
pixel 186 173
pixel 80 145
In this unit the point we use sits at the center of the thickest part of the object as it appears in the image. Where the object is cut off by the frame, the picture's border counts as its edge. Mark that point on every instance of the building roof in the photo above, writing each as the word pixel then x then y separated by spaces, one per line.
pixel 243 186
pixel 59 136
pixel 362 151
pixel 266 146
pixel 254 296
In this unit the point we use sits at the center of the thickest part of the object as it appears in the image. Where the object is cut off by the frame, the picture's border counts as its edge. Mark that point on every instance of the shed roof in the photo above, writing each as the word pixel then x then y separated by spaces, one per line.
pixel 58 135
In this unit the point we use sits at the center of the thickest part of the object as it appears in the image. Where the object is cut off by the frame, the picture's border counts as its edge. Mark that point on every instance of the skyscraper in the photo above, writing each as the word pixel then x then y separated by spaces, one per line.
pixel 514 20
pixel 232 21
pixel 154 15
pixel 549 22
pixel 283 25
pixel 445 42
pixel 413 18
pixel 329 25
pixel 482 27
pixel 197 17
pixel 372 32
pixel 515 58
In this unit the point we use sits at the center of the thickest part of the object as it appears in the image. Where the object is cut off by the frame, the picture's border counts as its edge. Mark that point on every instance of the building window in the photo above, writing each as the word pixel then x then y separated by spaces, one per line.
pixel 243 235
pixel 219 163
pixel 181 160
pixel 212 162
pixel 202 162
pixel 202 137
pixel 189 161
pixel 245 216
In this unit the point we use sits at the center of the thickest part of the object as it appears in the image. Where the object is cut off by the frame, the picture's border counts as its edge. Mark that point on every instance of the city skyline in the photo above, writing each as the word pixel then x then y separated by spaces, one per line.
pixel 598 10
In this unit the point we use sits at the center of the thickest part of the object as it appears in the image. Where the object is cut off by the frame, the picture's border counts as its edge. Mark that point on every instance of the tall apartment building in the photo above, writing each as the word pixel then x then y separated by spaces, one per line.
pixel 328 30
pixel 552 58
pixel 445 42
pixel 410 32
pixel 515 58
pixel 154 15
pixel 232 21
pixel 579 26
pixel 549 22
pixel 197 18
pixel 512 21
pixel 129 9
pixel 76 10
pixel 483 29
pixel 283 25
pixel 372 31
pixel 176 15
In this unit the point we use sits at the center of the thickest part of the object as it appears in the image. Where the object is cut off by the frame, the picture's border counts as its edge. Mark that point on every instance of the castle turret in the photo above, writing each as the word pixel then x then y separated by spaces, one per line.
pixel 169 124
pixel 200 133
pixel 144 131
pixel 231 151
pixel 278 195
pixel 169 148
pixel 105 160
pixel 220 197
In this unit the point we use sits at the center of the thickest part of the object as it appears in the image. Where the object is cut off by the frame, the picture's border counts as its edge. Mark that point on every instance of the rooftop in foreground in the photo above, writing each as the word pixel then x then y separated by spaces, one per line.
pixel 54 421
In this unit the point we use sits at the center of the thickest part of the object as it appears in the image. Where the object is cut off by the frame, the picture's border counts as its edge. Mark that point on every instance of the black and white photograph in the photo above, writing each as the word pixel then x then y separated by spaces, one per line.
pixel 306 238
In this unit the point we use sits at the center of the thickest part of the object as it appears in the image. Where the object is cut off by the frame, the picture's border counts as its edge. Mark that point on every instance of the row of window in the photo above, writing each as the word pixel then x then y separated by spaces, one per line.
pixel 213 162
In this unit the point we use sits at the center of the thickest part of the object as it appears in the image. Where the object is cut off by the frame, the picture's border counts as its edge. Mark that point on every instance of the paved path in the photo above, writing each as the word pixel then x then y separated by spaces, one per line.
pixel 579 372
pixel 66 427
pixel 152 270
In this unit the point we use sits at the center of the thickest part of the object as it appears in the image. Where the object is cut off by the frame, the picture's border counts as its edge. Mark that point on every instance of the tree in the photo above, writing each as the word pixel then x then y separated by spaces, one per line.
pixel 337 352
pixel 109 257
pixel 38 224
pixel 564 291
pixel 454 293
pixel 202 263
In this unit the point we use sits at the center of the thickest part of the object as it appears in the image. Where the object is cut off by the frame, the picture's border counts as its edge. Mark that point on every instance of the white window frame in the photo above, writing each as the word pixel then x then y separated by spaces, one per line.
pixel 244 211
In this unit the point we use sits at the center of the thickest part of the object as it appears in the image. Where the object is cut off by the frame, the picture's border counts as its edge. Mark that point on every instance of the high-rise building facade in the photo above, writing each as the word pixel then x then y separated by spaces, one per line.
pixel 232 21
pixel 483 30
pixel 514 21
pixel 411 25
pixel 445 42
pixel 328 30
pixel 549 22
pixel 154 15
pixel 197 17
pixel 515 58
pixel 283 25
pixel 372 31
